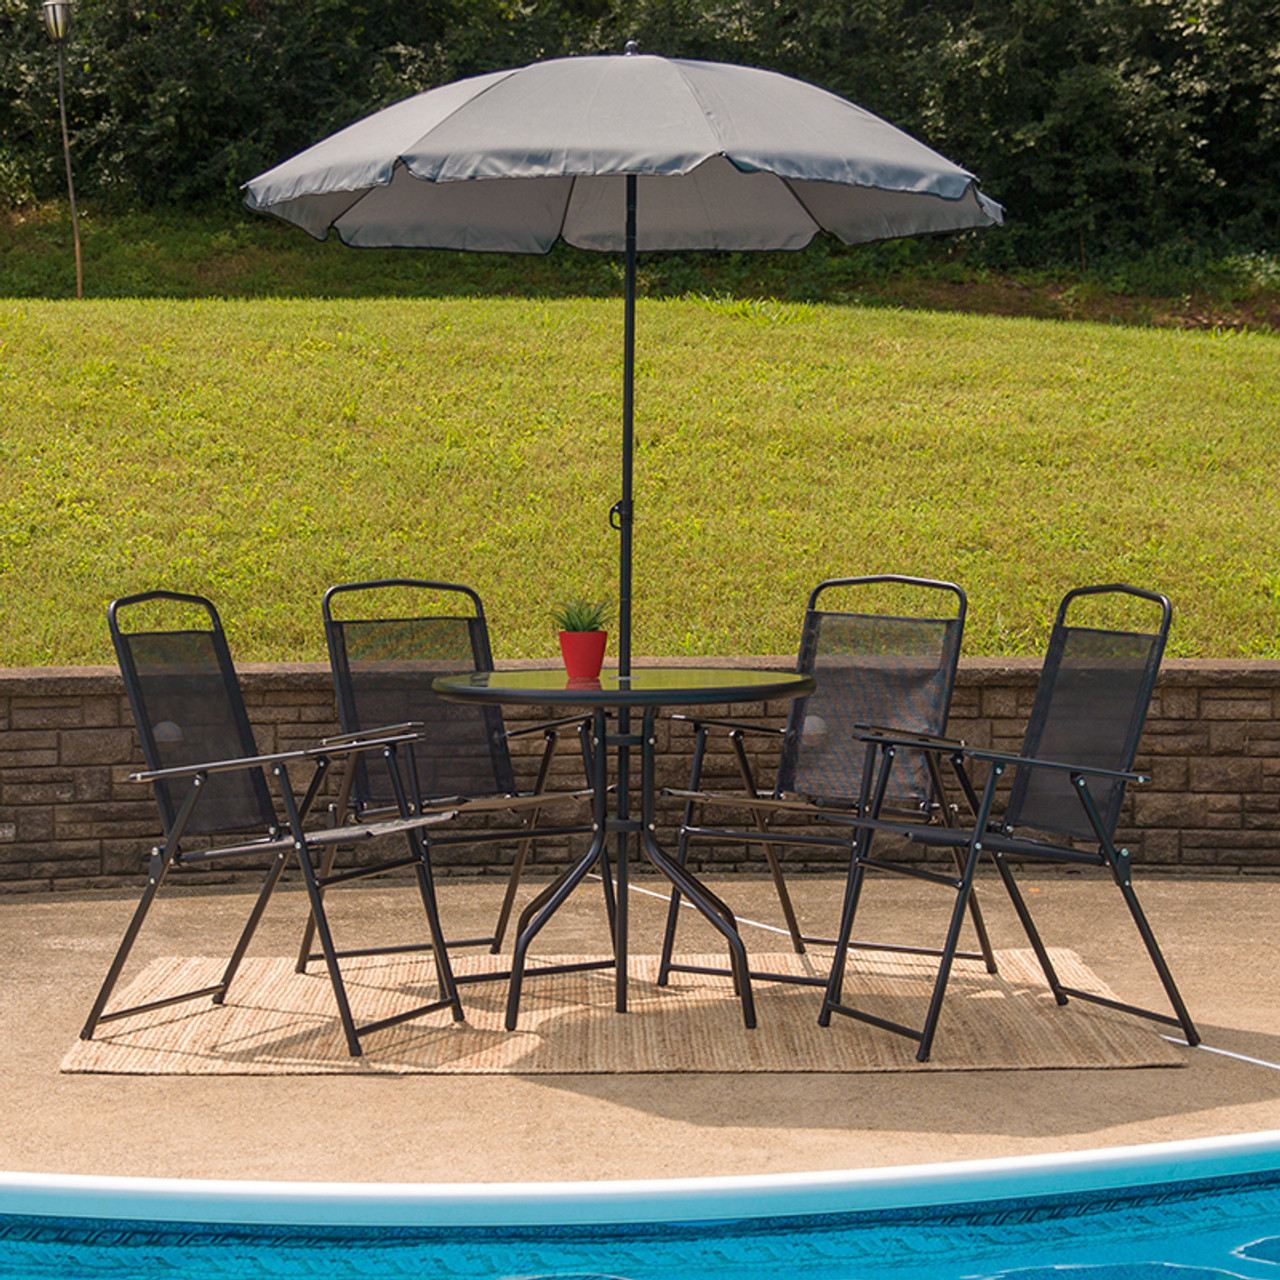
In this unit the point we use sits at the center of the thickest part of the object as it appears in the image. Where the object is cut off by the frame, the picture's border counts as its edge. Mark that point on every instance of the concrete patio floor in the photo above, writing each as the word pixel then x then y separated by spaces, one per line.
pixel 1219 936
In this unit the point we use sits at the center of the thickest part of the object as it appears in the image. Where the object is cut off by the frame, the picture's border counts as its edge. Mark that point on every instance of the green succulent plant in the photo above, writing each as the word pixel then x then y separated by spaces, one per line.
pixel 577 614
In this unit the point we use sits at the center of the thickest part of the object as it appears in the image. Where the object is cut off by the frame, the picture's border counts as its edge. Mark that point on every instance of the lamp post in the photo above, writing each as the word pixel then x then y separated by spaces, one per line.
pixel 57 22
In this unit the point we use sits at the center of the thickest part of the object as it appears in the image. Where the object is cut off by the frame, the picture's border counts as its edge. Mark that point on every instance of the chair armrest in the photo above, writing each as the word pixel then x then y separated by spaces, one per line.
pixel 908 738
pixel 344 745
pixel 339 739
pixel 354 743
pixel 543 725
pixel 743 800
pixel 894 737
pixel 733 725
pixel 1031 762
pixel 223 766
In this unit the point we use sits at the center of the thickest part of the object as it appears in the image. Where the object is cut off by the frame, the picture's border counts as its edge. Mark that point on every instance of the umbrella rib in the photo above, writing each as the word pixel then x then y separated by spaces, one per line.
pixel 564 211
pixel 800 200
pixel 362 194
pixel 498 79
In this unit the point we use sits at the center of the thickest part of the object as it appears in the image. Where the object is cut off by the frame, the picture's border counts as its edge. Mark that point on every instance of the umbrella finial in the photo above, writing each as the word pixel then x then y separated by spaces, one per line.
pixel 631 48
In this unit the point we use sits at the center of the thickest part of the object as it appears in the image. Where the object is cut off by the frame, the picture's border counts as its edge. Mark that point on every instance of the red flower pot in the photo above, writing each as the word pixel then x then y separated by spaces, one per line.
pixel 583 653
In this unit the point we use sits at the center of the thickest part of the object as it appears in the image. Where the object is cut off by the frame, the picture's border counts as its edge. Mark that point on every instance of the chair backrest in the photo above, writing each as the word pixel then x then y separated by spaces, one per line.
pixel 188 708
pixel 1089 709
pixel 388 640
pixel 889 669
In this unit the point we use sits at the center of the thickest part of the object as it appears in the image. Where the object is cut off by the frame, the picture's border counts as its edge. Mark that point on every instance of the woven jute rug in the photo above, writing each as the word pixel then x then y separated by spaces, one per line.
pixel 277 1022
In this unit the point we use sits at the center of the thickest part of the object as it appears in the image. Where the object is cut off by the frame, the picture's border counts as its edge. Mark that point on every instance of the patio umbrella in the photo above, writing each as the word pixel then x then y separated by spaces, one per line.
pixel 622 154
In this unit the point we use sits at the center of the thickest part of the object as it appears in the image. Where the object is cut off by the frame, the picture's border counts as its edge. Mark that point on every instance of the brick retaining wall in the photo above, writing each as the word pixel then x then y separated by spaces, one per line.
pixel 70 818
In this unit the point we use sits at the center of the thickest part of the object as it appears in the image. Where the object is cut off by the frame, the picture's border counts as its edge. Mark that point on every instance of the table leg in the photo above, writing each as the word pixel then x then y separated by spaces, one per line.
pixel 715 911
pixel 535 916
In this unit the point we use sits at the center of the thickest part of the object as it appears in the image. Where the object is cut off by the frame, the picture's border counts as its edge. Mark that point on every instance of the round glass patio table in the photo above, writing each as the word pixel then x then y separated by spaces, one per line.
pixel 646 689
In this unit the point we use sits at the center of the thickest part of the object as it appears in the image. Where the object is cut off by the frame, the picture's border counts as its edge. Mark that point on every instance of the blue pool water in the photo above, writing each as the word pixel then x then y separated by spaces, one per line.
pixel 1177 1211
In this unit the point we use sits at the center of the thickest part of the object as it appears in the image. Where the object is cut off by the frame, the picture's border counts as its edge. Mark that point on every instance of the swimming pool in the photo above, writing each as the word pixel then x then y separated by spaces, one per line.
pixel 1170 1211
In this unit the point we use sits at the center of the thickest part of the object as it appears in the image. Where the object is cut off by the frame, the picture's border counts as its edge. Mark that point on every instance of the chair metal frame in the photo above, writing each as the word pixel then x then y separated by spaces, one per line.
pixel 997 836
pixel 529 804
pixel 838 811
pixel 281 838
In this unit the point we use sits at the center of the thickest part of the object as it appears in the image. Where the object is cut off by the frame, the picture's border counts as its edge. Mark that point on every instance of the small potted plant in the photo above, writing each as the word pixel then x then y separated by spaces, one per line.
pixel 582 636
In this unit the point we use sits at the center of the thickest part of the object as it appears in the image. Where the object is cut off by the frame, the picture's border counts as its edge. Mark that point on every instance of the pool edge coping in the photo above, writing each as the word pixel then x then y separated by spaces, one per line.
pixel 673 1200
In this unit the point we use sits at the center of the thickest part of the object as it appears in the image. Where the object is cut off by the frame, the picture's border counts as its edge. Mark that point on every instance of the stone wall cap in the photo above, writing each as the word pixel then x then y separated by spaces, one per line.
pixel 60 680
pixel 284 675
pixel 1260 672
pixel 1264 673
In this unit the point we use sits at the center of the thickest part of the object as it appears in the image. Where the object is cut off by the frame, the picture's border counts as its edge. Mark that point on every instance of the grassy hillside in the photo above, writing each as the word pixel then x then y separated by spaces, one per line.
pixel 258 451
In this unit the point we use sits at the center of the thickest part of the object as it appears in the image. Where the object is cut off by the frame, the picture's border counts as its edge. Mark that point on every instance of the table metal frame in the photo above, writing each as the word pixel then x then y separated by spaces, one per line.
pixel 647 689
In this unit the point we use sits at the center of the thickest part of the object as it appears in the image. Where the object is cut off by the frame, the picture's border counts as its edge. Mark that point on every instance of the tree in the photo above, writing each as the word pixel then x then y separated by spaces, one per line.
pixel 1107 127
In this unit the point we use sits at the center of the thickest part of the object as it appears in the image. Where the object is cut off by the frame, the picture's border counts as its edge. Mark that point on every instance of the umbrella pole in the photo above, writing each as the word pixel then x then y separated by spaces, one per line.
pixel 624 509
pixel 620 517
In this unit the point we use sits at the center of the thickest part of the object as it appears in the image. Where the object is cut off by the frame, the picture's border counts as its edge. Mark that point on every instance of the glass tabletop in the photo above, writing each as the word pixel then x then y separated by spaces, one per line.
pixel 645 686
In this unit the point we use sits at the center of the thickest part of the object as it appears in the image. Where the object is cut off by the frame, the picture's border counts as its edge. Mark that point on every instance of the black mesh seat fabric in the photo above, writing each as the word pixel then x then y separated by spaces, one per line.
pixel 388 640
pixel 871 670
pixel 383 670
pixel 211 787
pixel 187 711
pixel 1063 806
pixel 890 668
pixel 1091 713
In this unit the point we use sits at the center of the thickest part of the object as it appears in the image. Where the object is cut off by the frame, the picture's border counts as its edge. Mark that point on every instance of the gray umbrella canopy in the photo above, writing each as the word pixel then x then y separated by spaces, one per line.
pixel 727 157
pixel 621 154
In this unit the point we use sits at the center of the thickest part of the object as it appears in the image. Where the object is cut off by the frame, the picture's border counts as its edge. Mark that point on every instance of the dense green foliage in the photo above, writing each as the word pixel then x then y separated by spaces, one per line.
pixel 261 451
pixel 1109 128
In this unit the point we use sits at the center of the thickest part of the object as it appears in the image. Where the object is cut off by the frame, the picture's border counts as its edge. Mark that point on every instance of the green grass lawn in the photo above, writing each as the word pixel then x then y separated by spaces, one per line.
pixel 259 451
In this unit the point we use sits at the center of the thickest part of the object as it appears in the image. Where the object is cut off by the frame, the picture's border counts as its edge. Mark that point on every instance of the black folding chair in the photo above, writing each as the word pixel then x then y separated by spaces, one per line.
pixel 1068 786
pixel 388 640
pixel 211 787
pixel 888 668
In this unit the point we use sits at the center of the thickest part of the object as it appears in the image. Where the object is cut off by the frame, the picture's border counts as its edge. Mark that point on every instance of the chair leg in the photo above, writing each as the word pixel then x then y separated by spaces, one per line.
pixel 161 864
pixel 963 888
pixel 1153 949
pixel 427 891
pixel 309 929
pixel 509 897
pixel 550 738
pixel 321 923
pixel 963 894
pixel 979 924
pixel 975 911
pixel 682 854
pixel 964 891
pixel 154 881
pixel 420 853
pixel 251 925
pixel 162 859
pixel 852 892
pixel 337 816
pixel 770 853
pixel 673 916
pixel 1029 928
pixel 606 883
pixel 1119 865
pixel 784 897
pixel 831 1002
